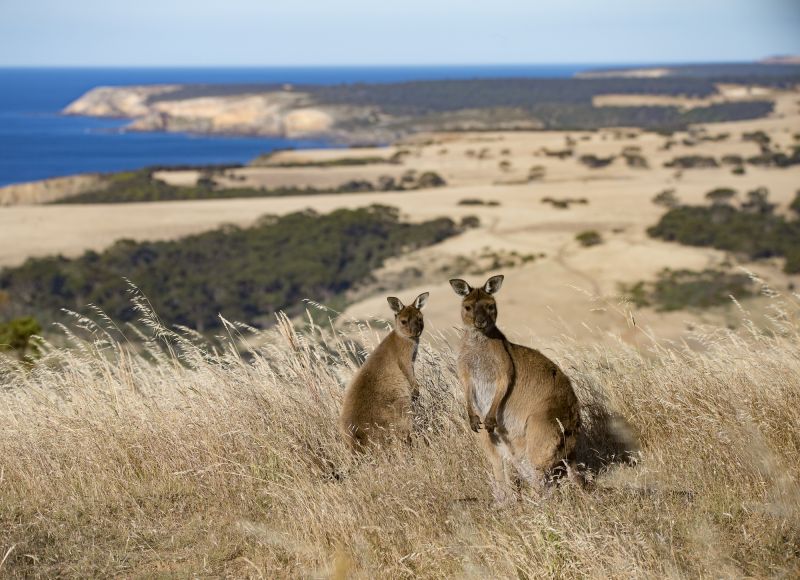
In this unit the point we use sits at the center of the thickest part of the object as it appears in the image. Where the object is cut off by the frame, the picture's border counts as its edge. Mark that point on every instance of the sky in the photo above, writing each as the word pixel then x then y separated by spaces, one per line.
pixel 385 32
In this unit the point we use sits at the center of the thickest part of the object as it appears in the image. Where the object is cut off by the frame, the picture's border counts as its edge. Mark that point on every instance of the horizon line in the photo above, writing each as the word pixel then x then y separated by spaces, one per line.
pixel 393 65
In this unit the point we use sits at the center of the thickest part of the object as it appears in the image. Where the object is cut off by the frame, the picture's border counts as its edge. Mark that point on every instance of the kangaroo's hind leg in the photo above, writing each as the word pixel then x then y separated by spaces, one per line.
pixel 503 490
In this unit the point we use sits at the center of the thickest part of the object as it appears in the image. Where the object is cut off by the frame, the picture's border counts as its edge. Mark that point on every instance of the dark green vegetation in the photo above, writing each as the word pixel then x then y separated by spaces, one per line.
pixel 565 202
pixel 244 274
pixel 666 198
pixel 751 227
pixel 477 201
pixel 692 162
pixel 264 160
pixel 141 186
pixel 589 238
pixel 681 289
pixel 766 158
pixel 550 103
pixel 16 335
pixel 595 162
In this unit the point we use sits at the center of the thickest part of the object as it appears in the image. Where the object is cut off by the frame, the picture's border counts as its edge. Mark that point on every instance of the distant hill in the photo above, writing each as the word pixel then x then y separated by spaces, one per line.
pixel 381 113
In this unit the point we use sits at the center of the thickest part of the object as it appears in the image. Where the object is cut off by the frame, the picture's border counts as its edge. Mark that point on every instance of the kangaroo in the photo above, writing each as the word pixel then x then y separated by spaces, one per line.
pixel 377 403
pixel 527 405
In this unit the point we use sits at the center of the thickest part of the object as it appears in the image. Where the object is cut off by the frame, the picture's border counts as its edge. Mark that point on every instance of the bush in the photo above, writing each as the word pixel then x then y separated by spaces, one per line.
pixel 589 238
pixel 478 201
pixel 667 198
pixel 536 173
pixel 16 335
pixel 687 289
pixel 566 202
pixel 721 195
pixel 595 162
pixel 469 222
pixel 692 162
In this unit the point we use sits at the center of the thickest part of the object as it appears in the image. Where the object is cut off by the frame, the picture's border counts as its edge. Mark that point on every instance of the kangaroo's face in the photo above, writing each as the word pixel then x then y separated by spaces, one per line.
pixel 408 321
pixel 478 306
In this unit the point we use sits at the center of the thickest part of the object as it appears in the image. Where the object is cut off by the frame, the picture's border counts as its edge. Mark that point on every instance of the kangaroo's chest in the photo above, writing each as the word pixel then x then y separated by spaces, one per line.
pixel 484 383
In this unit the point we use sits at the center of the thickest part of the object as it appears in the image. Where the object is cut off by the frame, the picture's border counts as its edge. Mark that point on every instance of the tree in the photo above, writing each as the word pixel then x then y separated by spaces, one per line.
pixel 721 195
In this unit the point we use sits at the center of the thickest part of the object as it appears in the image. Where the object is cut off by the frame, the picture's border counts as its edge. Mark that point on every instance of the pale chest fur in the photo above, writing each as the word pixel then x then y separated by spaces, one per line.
pixel 484 365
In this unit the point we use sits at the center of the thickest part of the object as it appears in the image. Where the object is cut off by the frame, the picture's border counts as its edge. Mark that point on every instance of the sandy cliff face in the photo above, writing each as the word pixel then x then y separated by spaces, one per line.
pixel 278 113
pixel 45 191
pixel 117 101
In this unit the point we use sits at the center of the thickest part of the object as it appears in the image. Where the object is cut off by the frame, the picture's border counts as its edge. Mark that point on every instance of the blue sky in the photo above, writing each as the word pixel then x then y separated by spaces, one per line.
pixel 383 32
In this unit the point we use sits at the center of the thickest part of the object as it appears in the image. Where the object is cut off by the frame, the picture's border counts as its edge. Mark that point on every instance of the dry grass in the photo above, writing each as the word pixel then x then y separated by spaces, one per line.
pixel 179 460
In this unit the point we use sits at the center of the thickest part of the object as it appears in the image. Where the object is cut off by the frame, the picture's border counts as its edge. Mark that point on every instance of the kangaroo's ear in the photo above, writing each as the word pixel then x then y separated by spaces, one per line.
pixel 461 288
pixel 395 304
pixel 493 284
pixel 421 300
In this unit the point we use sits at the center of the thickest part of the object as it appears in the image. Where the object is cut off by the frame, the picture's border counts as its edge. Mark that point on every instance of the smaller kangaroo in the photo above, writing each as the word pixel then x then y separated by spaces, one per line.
pixel 526 403
pixel 377 403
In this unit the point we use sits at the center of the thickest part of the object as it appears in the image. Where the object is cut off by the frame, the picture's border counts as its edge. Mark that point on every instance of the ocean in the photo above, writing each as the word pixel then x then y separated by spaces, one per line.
pixel 37 142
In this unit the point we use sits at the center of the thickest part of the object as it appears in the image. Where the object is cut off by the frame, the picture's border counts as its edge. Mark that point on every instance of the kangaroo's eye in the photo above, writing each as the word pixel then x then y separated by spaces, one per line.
pixel 468 308
pixel 403 321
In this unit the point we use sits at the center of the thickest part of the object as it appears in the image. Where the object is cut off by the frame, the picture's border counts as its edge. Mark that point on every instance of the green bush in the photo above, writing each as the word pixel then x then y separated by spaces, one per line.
pixel 667 198
pixel 692 162
pixel 589 238
pixel 16 335
pixel 595 162
pixel 687 289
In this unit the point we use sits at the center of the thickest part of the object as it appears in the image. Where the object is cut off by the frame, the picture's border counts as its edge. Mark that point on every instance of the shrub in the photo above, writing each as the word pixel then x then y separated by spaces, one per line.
pixel 16 335
pixel 692 162
pixel 595 162
pixel 470 222
pixel 589 238
pixel 430 179
pixel 536 173
pixel 565 202
pixel 478 201
pixel 687 289
pixel 759 137
pixel 721 195
pixel 666 198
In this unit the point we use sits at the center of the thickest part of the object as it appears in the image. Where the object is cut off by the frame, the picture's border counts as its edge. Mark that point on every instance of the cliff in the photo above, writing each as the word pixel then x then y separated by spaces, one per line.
pixel 279 113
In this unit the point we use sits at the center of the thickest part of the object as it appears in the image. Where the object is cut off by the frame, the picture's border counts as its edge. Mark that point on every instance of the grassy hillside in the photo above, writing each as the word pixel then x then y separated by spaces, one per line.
pixel 245 274
pixel 204 464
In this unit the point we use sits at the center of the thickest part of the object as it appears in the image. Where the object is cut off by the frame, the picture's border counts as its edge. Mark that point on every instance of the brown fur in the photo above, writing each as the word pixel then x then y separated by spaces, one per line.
pixel 526 404
pixel 377 403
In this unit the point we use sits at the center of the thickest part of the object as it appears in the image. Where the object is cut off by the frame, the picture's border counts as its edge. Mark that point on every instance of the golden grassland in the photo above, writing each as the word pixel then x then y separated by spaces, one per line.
pixel 163 457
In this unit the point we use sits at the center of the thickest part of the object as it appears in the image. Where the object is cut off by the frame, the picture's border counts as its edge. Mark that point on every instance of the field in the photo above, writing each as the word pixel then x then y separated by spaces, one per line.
pixel 179 461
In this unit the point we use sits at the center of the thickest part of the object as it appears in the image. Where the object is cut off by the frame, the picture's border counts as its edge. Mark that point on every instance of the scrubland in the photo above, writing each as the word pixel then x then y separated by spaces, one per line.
pixel 146 452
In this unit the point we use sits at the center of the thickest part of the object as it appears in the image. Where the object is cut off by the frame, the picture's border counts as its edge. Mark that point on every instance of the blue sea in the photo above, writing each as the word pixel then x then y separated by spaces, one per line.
pixel 37 142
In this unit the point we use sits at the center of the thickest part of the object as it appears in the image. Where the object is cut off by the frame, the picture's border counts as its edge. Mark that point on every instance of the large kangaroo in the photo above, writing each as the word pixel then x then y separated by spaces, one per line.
pixel 526 403
pixel 377 404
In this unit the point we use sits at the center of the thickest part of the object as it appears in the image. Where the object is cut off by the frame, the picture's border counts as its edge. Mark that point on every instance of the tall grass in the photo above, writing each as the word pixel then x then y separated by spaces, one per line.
pixel 164 457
